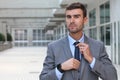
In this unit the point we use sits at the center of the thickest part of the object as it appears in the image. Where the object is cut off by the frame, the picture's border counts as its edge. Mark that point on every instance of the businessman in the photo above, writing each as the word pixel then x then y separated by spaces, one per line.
pixel 76 56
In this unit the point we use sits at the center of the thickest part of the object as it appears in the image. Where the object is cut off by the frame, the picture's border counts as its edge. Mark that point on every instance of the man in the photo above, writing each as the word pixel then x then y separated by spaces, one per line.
pixel 93 61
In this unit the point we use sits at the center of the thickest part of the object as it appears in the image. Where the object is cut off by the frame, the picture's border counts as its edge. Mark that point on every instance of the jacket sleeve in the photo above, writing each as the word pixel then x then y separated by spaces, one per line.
pixel 103 66
pixel 48 72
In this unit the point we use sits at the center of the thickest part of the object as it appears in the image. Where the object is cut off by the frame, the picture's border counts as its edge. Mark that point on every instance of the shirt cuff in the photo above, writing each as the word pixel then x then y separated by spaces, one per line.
pixel 92 63
pixel 58 74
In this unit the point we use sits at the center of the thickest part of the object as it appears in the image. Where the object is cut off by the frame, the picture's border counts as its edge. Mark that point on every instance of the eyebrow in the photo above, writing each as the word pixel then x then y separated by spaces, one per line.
pixel 73 15
pixel 77 15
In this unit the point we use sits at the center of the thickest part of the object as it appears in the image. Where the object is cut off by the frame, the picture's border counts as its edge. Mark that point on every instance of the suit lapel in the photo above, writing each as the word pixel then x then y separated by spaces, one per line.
pixel 83 63
pixel 66 48
pixel 86 39
pixel 68 54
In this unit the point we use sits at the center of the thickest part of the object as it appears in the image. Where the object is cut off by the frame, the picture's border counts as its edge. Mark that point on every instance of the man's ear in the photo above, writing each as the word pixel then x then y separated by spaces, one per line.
pixel 85 20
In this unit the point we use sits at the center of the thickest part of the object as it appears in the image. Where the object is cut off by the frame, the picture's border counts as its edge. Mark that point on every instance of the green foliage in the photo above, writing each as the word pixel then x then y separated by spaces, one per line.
pixel 9 37
pixel 2 37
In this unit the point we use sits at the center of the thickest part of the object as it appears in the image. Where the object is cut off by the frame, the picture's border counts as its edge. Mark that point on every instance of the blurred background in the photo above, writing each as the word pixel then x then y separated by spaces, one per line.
pixel 27 26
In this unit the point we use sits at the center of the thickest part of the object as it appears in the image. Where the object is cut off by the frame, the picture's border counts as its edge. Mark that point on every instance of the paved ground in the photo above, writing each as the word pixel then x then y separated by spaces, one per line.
pixel 24 63
pixel 21 63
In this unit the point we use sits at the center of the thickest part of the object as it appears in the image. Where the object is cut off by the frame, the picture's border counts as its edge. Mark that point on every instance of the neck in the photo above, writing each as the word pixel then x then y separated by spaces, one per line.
pixel 76 36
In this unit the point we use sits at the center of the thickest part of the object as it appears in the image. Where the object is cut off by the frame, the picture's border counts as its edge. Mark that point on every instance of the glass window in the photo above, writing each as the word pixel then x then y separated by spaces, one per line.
pixel 102 14
pixel 16 35
pixel 105 34
pixel 102 37
pixel 93 33
pixel 25 34
pixel 92 18
pixel 105 18
pixel 20 34
pixel 105 13
pixel 34 34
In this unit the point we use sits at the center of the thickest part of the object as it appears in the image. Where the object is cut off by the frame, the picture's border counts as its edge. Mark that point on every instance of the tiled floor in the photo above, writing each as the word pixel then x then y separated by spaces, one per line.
pixel 21 63
pixel 24 63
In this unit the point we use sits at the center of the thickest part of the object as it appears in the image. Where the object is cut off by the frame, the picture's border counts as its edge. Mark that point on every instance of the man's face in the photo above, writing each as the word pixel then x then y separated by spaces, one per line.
pixel 75 20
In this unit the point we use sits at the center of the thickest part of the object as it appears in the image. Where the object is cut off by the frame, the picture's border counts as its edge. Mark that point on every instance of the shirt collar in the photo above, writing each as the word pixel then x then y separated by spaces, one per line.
pixel 71 40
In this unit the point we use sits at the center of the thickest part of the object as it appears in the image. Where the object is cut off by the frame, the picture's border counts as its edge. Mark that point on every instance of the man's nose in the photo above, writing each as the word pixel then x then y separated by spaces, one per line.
pixel 72 20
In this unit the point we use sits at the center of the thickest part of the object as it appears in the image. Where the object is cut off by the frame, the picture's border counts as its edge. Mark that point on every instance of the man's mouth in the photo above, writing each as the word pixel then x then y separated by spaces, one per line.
pixel 72 25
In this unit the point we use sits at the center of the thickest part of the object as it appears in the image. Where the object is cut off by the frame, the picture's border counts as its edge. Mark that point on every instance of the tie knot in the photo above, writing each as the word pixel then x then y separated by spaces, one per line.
pixel 75 43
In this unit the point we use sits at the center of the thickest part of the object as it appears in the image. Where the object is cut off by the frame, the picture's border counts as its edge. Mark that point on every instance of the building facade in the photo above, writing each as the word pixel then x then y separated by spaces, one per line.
pixel 27 29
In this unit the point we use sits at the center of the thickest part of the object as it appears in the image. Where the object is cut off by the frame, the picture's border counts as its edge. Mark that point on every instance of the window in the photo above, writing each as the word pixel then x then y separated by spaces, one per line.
pixel 105 34
pixel 20 34
pixel 93 33
pixel 92 18
pixel 104 19
pixel 21 37
pixel 105 13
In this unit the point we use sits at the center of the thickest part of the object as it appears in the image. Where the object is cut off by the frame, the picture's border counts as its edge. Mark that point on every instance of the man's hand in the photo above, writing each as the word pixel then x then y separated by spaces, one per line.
pixel 70 64
pixel 85 50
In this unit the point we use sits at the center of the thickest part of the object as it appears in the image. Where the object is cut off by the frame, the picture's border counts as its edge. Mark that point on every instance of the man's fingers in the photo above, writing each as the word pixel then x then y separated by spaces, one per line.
pixel 81 44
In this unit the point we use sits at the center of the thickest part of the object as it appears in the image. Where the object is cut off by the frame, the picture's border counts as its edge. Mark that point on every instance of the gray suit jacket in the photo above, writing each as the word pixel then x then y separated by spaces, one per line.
pixel 59 51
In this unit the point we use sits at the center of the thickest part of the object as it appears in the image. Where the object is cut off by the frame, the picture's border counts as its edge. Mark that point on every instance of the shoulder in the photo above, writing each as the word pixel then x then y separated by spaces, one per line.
pixel 97 47
pixel 58 42
pixel 94 42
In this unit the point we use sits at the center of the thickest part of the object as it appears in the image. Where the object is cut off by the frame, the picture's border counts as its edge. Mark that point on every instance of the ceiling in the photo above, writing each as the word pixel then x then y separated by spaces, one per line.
pixel 46 12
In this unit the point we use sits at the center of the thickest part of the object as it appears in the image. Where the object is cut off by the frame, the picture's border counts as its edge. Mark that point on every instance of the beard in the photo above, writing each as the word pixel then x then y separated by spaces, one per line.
pixel 76 30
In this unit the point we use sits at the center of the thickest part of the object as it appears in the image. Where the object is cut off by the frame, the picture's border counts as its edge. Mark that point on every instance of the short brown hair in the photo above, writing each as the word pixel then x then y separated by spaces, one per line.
pixel 77 5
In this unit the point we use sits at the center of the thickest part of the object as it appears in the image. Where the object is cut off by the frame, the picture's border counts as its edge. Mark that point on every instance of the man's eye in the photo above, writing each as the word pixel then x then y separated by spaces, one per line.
pixel 76 16
pixel 68 16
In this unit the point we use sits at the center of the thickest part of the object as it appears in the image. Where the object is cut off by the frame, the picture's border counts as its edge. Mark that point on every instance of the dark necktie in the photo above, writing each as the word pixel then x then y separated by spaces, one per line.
pixel 77 53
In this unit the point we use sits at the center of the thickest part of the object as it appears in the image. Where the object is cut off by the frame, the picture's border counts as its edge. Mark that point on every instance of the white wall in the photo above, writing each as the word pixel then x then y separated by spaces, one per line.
pixel 115 10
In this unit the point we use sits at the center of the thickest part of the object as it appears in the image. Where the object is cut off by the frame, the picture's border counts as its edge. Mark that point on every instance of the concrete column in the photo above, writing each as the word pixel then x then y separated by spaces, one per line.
pixel 30 37
pixel 119 43
pixel 4 30
pixel 61 33
pixel 64 29
pixel 114 10
pixel 0 27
